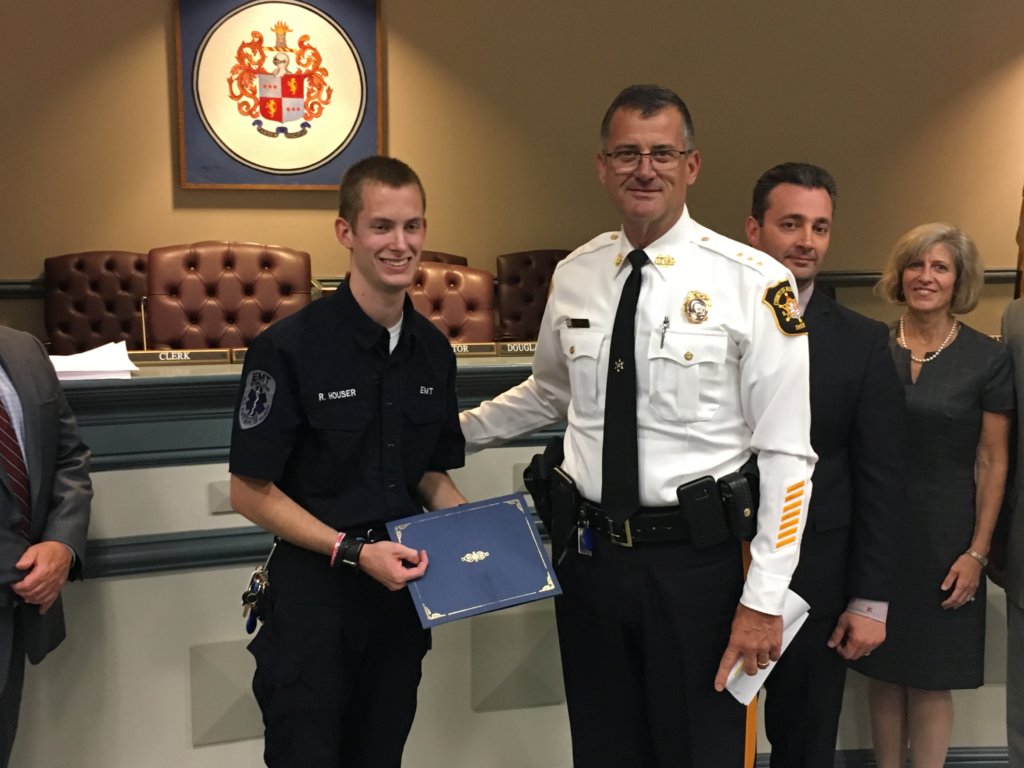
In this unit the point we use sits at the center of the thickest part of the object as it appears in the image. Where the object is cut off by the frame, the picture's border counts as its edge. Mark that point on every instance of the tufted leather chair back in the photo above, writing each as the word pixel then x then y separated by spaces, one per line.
pixel 217 294
pixel 458 300
pixel 444 258
pixel 523 280
pixel 92 298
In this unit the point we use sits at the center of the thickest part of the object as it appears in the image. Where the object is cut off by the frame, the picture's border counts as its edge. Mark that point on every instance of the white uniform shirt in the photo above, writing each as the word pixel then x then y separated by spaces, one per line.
pixel 709 391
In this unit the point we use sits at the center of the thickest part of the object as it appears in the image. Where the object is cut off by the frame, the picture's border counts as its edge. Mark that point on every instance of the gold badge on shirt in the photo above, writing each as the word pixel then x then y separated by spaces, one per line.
pixel 696 307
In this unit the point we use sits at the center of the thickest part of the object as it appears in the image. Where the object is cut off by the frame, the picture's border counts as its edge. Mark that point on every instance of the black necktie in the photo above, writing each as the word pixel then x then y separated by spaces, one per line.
pixel 620 465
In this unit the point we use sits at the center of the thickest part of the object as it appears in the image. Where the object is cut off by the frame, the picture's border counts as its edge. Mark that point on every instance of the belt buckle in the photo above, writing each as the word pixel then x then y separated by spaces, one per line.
pixel 624 539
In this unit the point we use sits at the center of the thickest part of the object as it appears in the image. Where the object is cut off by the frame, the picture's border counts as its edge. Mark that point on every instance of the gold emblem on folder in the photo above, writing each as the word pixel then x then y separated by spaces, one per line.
pixel 475 557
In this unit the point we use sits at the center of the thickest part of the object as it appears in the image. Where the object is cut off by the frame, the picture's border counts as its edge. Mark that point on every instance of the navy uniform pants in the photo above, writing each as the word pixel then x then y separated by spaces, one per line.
pixel 642 631
pixel 804 696
pixel 337 683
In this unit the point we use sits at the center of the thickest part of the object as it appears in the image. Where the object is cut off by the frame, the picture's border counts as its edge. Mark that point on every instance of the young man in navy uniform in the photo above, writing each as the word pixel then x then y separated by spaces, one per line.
pixel 652 621
pixel 347 418
pixel 849 551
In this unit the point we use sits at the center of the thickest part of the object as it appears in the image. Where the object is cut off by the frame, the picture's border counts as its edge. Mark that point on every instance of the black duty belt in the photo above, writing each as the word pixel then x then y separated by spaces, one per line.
pixel 371 534
pixel 648 525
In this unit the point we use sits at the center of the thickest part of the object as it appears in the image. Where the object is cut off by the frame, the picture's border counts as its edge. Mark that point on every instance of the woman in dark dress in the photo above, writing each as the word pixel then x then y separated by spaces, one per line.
pixel 960 399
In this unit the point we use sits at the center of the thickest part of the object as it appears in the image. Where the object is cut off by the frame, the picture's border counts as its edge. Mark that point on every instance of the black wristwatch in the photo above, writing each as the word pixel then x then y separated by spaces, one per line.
pixel 348 554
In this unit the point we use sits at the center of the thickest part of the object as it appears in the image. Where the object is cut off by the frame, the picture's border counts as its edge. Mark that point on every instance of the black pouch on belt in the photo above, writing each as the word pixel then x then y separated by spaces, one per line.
pixel 565 505
pixel 537 478
pixel 740 493
pixel 702 511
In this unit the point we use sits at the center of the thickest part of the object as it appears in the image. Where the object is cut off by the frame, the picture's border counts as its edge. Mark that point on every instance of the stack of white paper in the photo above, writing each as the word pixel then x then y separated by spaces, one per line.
pixel 744 687
pixel 107 362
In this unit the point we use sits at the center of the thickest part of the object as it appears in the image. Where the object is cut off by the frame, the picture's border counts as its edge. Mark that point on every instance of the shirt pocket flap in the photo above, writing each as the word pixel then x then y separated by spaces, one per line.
pixel 689 349
pixel 425 411
pixel 579 342
pixel 348 416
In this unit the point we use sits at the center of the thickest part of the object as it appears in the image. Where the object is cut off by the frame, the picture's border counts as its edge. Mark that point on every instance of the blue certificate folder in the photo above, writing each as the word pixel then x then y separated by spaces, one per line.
pixel 484 556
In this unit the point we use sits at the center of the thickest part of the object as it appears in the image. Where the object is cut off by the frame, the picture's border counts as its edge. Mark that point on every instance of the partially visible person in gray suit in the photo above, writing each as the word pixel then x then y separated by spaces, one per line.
pixel 45 496
pixel 1013 335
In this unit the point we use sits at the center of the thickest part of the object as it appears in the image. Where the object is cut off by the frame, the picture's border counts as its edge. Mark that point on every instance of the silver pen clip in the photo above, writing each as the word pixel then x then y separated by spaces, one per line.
pixel 664 330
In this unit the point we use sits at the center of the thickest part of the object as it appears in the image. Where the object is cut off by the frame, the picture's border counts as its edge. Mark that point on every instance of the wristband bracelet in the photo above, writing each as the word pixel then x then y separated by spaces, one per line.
pixel 978 556
pixel 337 545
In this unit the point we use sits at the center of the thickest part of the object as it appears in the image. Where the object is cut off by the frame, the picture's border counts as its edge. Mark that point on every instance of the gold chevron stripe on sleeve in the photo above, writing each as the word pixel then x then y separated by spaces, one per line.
pixel 789 523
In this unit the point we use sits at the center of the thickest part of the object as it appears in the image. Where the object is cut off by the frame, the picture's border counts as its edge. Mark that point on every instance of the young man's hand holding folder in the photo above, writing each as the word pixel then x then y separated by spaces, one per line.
pixel 484 556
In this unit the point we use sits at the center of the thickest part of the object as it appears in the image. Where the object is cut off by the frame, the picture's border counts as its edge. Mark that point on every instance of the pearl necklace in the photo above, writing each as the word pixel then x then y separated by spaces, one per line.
pixel 903 342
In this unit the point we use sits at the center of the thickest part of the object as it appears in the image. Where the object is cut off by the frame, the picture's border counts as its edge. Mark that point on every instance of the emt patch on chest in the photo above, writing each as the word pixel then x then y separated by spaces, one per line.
pixel 782 301
pixel 257 399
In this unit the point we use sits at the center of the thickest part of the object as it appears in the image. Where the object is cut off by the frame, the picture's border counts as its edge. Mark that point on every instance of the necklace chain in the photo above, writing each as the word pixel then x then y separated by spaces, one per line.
pixel 927 358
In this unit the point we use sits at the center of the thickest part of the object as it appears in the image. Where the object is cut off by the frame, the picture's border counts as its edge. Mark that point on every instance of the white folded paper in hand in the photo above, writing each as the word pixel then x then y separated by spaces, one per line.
pixel 109 361
pixel 744 687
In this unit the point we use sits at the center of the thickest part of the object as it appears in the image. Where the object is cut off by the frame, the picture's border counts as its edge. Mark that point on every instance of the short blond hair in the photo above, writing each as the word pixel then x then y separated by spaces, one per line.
pixel 970 274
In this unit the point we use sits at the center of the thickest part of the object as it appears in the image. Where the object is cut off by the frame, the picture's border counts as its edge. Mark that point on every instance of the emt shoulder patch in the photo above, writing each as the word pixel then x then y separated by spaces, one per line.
pixel 782 301
pixel 257 399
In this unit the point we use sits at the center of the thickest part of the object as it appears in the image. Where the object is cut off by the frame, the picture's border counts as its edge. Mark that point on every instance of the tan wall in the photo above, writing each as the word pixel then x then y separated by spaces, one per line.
pixel 916 109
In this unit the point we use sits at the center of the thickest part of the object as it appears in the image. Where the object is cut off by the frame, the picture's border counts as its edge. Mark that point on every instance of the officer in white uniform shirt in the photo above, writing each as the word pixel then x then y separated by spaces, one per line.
pixel 650 632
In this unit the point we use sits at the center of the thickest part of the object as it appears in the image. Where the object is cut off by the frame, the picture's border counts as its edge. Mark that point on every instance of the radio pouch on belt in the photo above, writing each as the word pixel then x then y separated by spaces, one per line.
pixel 740 493
pixel 702 511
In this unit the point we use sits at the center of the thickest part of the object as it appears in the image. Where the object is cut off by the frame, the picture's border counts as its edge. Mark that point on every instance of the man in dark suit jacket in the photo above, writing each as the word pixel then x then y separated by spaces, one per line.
pixel 42 526
pixel 1013 557
pixel 850 545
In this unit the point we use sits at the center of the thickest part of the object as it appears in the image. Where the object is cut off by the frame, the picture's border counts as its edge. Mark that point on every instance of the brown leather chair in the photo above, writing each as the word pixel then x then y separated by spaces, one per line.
pixel 217 294
pixel 92 298
pixel 458 300
pixel 523 280
pixel 444 258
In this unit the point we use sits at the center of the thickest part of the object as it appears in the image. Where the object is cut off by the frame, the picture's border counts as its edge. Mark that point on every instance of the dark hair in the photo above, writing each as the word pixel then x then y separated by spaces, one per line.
pixel 802 174
pixel 648 100
pixel 388 171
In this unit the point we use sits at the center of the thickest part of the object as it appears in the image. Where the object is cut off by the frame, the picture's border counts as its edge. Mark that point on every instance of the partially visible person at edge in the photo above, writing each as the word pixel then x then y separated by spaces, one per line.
pixel 347 418
pixel 959 390
pixel 850 550
pixel 651 625
pixel 45 502
pixel 1011 560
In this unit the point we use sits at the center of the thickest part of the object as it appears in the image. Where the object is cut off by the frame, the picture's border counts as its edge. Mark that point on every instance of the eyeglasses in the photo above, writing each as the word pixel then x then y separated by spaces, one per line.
pixel 662 159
